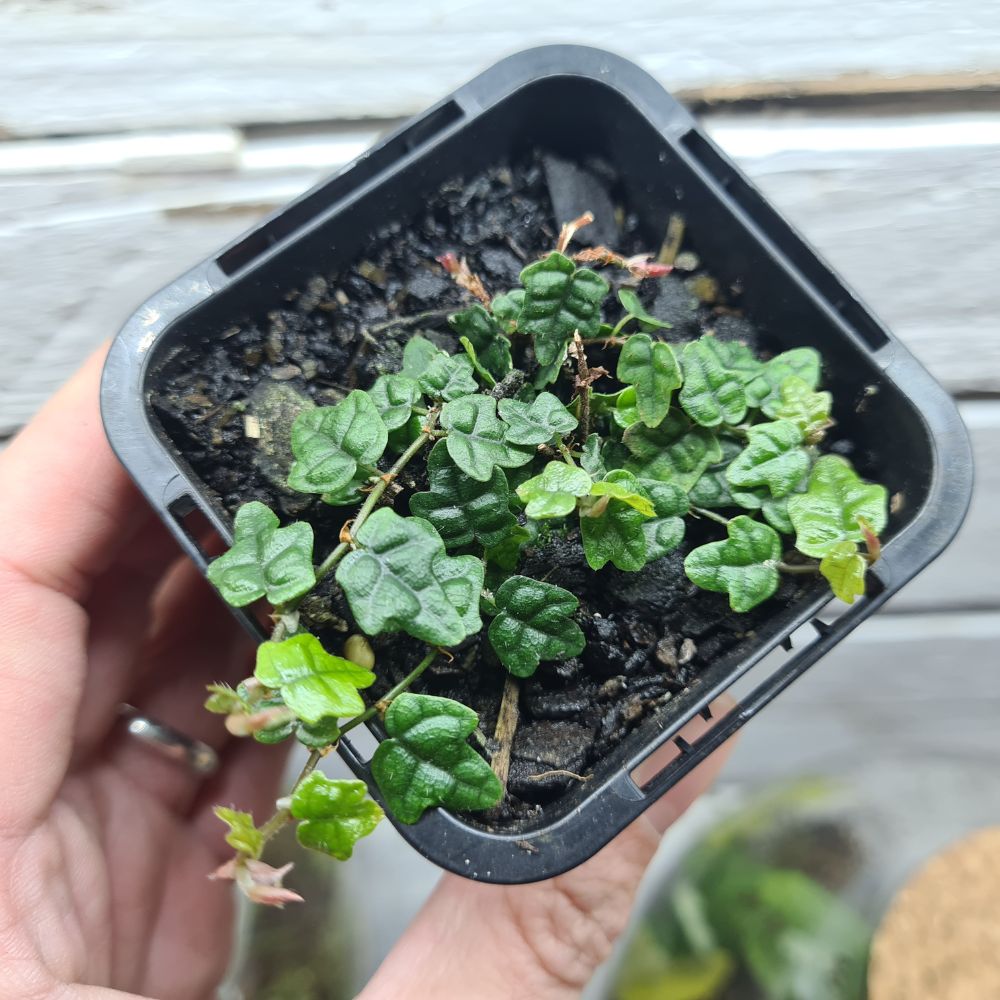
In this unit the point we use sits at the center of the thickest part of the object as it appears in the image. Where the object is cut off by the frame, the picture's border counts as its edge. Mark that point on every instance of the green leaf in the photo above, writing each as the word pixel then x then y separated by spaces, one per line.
pixel 774 457
pixel 810 410
pixel 477 437
pixel 330 442
pixel 764 391
pixel 394 397
pixel 614 487
pixel 631 304
pixel 713 393
pixel 507 308
pixel 590 457
pixel 538 422
pixel 650 366
pixel 264 560
pixel 223 700
pixel 243 836
pixel 775 512
pixel 427 760
pixel 554 492
pixel 844 568
pixel 534 623
pixel 448 377
pixel 626 409
pixel 418 355
pixel 391 580
pixel 743 566
pixel 333 814
pixel 461 579
pixel 470 351
pixel 506 554
pixel 615 534
pixel 559 299
pixel 401 438
pixel 463 510
pixel 319 735
pixel 666 530
pixel 313 683
pixel 484 333
pixel 674 452
pixel 828 512
pixel 347 496
pixel 712 490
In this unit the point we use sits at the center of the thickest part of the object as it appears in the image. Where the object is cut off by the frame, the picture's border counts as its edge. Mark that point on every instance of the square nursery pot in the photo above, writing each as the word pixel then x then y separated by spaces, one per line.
pixel 580 105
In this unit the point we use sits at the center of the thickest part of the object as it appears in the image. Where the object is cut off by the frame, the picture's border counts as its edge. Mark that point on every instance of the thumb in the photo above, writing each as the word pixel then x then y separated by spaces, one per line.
pixel 544 940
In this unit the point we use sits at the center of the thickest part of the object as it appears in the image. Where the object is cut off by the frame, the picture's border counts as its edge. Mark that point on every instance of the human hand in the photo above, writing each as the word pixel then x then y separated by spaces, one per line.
pixel 104 846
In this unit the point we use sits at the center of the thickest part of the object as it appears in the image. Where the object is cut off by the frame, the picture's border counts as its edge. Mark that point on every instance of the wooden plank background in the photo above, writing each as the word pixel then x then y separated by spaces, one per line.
pixel 137 137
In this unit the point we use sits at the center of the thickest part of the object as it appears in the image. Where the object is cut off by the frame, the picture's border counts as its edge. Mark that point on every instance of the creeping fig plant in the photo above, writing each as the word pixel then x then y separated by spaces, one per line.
pixel 516 441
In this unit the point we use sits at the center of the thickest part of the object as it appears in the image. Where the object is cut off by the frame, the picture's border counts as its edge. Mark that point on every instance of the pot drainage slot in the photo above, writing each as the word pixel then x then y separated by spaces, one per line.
pixel 781 234
pixel 197 528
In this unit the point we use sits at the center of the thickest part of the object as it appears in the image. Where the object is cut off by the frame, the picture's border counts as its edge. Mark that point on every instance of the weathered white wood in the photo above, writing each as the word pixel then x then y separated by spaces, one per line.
pixel 902 685
pixel 966 576
pixel 77 66
pixel 913 223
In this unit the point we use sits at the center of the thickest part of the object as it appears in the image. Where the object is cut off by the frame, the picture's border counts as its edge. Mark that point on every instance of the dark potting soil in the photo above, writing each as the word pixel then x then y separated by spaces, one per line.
pixel 226 403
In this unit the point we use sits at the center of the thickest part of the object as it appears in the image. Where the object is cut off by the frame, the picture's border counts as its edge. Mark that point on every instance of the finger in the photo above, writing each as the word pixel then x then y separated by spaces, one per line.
pixel 195 641
pixel 66 505
pixel 543 940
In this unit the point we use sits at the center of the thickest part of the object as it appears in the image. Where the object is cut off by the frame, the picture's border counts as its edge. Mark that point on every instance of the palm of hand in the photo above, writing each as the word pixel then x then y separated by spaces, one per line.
pixel 104 846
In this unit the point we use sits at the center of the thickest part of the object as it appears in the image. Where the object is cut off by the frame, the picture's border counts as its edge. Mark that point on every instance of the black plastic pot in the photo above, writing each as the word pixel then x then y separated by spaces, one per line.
pixel 581 102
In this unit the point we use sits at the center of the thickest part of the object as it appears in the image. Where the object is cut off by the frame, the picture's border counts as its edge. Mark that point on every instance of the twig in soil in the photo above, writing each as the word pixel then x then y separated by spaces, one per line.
pixel 570 229
pixel 559 772
pixel 506 728
pixel 585 377
pixel 462 275
pixel 672 241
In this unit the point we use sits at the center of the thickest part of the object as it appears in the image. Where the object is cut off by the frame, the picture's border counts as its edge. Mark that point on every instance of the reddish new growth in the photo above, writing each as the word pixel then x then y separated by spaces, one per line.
pixel 639 266
pixel 464 278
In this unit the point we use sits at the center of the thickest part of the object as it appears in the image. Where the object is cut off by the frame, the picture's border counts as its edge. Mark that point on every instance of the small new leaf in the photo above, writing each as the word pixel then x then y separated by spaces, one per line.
pixel 615 486
pixel 333 814
pixel 651 367
pixel 713 392
pixel 538 422
pixel 743 566
pixel 265 559
pixel 484 333
pixel 427 761
pixel 675 452
pixel 329 442
pixel 774 457
pixel 810 410
pixel 554 492
pixel 243 836
pixel 844 568
pixel 559 298
pixel 448 377
pixel 634 308
pixel 391 580
pixel 614 533
pixel 418 355
pixel 534 623
pixel 764 391
pixel 313 683
pixel 463 510
pixel 507 308
pixel 394 397
pixel 477 437
pixel 829 511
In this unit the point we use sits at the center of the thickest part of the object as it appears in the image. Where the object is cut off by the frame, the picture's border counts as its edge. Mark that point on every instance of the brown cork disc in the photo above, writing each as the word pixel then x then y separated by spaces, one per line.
pixel 941 936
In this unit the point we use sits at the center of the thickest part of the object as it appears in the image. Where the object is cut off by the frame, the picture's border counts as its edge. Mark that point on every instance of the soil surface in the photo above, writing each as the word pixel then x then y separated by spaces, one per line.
pixel 226 402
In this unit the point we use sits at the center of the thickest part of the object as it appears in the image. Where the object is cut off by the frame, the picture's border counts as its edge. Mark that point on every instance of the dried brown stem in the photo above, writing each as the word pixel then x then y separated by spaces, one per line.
pixel 506 728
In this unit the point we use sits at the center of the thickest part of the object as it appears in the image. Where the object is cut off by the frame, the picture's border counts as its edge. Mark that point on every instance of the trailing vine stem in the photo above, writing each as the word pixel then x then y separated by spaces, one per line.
pixel 326 567
pixel 283 815
pixel 427 434
pixel 710 514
